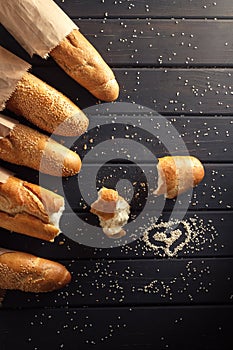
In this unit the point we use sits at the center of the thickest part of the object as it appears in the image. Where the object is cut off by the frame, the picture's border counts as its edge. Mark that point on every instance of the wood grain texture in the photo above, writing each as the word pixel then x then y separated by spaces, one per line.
pixel 179 91
pixel 207 138
pixel 157 43
pixel 153 282
pixel 212 193
pixel 213 239
pixel 168 91
pixel 147 8
pixel 210 236
pixel 201 328
pixel 154 43
pixel 139 298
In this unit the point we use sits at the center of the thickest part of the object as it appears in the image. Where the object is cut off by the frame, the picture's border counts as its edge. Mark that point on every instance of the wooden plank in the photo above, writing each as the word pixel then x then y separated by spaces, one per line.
pixel 207 138
pixel 168 91
pixel 140 277
pixel 212 193
pixel 178 91
pixel 203 91
pixel 137 139
pixel 151 42
pixel 151 282
pixel 213 238
pixel 161 42
pixel 147 8
pixel 120 328
pixel 198 328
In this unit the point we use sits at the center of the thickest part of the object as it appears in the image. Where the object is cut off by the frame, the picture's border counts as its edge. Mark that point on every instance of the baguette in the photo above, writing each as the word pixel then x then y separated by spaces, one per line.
pixel 30 209
pixel 112 211
pixel 177 174
pixel 29 273
pixel 80 60
pixel 47 108
pixel 25 146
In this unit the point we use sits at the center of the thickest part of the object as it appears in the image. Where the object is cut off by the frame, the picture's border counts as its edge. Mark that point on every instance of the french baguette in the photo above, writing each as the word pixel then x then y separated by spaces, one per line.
pixel 30 209
pixel 28 147
pixel 81 61
pixel 177 174
pixel 29 273
pixel 47 108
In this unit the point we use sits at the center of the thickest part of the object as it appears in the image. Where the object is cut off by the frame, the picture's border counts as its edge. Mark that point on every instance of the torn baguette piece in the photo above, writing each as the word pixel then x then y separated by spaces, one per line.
pixel 28 273
pixel 29 209
pixel 81 61
pixel 22 145
pixel 177 174
pixel 46 107
pixel 112 211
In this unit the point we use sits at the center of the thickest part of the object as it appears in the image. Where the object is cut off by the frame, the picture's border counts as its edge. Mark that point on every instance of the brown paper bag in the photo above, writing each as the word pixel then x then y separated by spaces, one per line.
pixel 4 176
pixel 38 25
pixel 12 69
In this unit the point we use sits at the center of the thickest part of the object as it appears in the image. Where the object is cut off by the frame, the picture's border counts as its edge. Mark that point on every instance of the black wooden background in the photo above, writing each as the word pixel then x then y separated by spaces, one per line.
pixel 175 57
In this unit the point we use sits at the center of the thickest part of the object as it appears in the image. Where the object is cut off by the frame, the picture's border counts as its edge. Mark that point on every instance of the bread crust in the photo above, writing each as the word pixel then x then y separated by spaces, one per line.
pixel 27 208
pixel 28 225
pixel 28 147
pixel 29 273
pixel 47 108
pixel 105 205
pixel 108 194
pixel 178 174
pixel 80 60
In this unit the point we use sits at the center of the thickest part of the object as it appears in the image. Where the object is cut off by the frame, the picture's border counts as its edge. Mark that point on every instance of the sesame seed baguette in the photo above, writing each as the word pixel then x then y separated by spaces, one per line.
pixel 177 174
pixel 28 273
pixel 81 61
pixel 28 147
pixel 46 107
pixel 30 209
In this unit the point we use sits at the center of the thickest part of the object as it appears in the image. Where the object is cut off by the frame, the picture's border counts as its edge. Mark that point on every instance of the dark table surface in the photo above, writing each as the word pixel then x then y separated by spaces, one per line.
pixel 175 57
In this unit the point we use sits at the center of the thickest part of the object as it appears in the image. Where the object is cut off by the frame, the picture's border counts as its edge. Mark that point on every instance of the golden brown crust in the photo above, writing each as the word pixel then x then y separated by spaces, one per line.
pixel 28 225
pixel 52 202
pixel 109 195
pixel 47 108
pixel 29 273
pixel 83 63
pixel 28 147
pixel 105 205
pixel 198 171
pixel 179 173
pixel 112 211
pixel 17 196
pixel 27 208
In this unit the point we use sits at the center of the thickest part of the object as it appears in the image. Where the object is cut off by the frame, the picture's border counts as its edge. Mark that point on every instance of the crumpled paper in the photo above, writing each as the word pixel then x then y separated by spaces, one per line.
pixel 12 69
pixel 38 25
pixel 6 125
pixel 4 176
